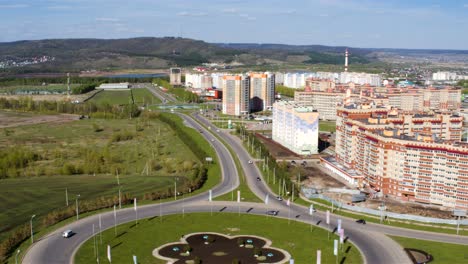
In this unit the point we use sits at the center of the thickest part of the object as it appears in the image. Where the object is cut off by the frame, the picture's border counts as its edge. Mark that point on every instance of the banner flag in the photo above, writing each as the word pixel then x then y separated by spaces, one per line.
pixel 328 217
pixel 238 196
pixel 134 204
pixel 319 256
pixel 210 197
pixel 335 247
pixel 311 209
pixel 266 199
pixel 109 253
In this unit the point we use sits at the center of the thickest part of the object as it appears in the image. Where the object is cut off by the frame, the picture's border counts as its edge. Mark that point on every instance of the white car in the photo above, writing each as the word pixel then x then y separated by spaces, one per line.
pixel 250 162
pixel 67 233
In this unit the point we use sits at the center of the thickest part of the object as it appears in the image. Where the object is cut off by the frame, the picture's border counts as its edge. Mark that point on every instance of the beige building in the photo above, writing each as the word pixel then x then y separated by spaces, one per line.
pixel 410 156
pixel 262 91
pixel 175 76
pixel 320 85
pixel 325 103
pixel 235 94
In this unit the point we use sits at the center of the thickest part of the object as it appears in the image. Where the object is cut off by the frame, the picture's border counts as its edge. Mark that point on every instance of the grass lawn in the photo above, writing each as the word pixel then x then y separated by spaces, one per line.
pixel 113 97
pixel 40 186
pixel 442 252
pixel 329 126
pixel 296 238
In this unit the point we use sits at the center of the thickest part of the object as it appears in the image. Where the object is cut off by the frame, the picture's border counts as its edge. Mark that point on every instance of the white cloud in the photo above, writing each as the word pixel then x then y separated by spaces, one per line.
pixel 14 6
pixel 107 19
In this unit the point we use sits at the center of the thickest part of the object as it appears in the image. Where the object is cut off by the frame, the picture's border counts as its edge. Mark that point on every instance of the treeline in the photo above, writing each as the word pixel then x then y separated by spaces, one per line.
pixel 84 88
pixel 14 81
pixel 464 84
pixel 184 134
pixel 335 59
pixel 180 93
pixel 283 90
pixel 27 104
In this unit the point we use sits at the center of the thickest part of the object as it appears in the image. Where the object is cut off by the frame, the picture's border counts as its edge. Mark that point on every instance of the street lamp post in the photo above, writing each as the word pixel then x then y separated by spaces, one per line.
pixel 32 234
pixel 77 210
pixel 16 256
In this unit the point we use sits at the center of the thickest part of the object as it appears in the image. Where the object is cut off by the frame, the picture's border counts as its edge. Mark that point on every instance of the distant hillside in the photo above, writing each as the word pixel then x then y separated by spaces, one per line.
pixel 84 54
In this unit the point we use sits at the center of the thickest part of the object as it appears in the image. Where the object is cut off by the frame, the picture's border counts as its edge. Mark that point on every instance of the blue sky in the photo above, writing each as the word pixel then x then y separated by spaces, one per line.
pixel 356 23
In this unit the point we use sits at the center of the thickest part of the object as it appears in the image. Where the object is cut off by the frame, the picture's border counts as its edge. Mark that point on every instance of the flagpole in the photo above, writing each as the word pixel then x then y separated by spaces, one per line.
pixel 136 211
pixel 160 209
pixel 115 221
pixel 100 229
pixel 94 242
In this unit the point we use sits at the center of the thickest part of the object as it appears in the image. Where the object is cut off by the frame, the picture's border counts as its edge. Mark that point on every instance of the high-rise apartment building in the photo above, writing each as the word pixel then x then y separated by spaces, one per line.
pixel 236 90
pixel 296 127
pixel 175 76
pixel 262 91
pixel 325 103
pixel 410 156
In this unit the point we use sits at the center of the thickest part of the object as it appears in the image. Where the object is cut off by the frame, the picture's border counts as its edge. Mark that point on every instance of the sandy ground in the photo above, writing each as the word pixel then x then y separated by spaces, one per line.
pixel 13 119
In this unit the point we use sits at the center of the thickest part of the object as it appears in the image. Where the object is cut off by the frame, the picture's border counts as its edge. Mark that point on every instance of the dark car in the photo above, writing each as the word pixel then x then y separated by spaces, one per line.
pixel 258 179
pixel 361 221
pixel 272 212
pixel 279 198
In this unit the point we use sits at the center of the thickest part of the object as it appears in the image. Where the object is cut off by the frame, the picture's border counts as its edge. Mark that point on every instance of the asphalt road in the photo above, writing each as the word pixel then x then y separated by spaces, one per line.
pixel 370 239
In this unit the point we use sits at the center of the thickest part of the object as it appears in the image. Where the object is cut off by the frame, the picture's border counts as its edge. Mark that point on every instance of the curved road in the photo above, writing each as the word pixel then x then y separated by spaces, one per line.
pixel 376 247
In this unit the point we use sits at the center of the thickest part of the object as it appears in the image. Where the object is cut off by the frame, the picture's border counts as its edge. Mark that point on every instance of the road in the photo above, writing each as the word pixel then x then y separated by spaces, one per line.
pixel 370 239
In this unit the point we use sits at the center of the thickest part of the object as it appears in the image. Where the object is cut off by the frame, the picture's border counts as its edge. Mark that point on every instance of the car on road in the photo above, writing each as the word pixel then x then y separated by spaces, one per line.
pixel 279 198
pixel 258 179
pixel 212 140
pixel 250 162
pixel 361 221
pixel 272 212
pixel 217 130
pixel 67 233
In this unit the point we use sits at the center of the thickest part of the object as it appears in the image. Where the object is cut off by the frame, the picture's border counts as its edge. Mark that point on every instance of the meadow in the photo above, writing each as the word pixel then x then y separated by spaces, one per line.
pixel 141 97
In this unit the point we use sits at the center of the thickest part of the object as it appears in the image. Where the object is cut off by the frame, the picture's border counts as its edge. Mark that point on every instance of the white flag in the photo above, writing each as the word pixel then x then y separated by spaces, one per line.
pixel 135 259
pixel 339 225
pixel 115 213
pixel 319 256
pixel 210 197
pixel 238 196
pixel 291 261
pixel 109 253
pixel 288 202
pixel 311 209
pixel 341 236
pixel 266 199
pixel 328 217
pixel 134 204
pixel 335 247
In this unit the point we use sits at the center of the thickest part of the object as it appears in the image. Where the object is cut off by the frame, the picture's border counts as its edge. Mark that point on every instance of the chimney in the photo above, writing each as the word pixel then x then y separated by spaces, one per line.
pixel 346 61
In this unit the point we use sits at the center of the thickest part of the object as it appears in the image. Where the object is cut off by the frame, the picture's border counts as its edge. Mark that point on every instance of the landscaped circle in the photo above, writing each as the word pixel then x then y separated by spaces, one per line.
pixel 217 248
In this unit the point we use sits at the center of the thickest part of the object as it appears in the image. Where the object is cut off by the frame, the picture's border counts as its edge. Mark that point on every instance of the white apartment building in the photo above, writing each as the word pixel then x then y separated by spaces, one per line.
pixel 295 80
pixel 360 78
pixel 325 103
pixel 262 91
pixel 444 76
pixel 296 127
pixel 198 81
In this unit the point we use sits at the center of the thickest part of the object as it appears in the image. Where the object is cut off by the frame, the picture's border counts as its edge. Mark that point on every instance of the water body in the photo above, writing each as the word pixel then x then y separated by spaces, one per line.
pixel 138 75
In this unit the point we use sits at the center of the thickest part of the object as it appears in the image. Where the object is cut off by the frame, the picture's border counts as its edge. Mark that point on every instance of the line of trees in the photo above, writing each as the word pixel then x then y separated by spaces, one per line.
pixel 14 81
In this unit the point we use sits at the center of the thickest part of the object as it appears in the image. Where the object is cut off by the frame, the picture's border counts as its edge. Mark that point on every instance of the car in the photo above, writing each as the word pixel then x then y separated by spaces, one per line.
pixel 258 179
pixel 67 233
pixel 361 221
pixel 279 198
pixel 250 162
pixel 212 140
pixel 217 130
pixel 272 212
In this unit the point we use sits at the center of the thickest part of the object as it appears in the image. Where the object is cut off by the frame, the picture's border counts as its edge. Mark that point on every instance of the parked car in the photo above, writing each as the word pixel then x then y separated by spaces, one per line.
pixel 272 212
pixel 250 162
pixel 279 198
pixel 67 233
pixel 361 221
pixel 258 179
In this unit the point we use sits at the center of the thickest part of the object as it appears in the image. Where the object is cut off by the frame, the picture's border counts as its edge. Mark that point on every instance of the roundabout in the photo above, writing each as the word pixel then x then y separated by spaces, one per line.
pixel 217 238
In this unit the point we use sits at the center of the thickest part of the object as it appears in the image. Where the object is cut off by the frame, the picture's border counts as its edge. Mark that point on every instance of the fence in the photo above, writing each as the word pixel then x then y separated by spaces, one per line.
pixel 379 213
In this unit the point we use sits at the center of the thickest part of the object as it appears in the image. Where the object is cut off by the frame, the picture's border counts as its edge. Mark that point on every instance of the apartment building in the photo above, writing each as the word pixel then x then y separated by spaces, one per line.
pixel 409 156
pixel 325 103
pixel 320 85
pixel 175 76
pixel 236 90
pixel 198 81
pixel 262 91
pixel 296 127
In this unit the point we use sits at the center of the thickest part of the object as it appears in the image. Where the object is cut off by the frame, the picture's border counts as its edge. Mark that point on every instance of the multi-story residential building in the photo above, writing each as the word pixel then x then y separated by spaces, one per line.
pixel 296 127
pixel 199 81
pixel 175 76
pixel 410 101
pixel 410 156
pixel 325 103
pixel 320 85
pixel 444 76
pixel 262 91
pixel 447 98
pixel 296 80
pixel 360 78
pixel 236 94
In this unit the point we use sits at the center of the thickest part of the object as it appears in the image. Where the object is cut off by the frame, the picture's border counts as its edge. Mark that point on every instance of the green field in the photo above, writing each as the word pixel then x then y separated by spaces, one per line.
pixel 442 252
pixel 296 238
pixel 141 96
pixel 329 126
pixel 70 154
